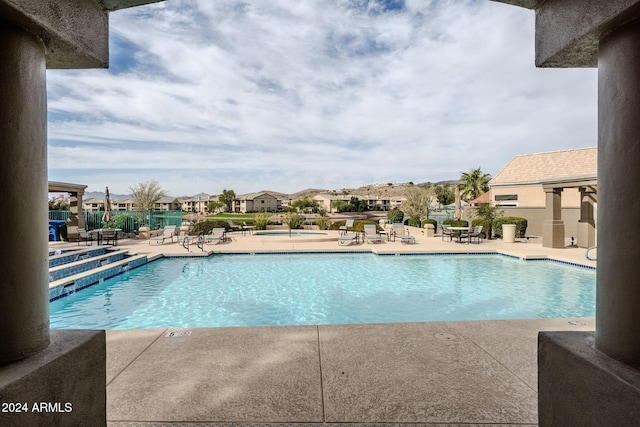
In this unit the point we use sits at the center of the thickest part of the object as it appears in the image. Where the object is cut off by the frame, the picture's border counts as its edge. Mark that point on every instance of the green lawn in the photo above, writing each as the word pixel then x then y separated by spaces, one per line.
pixel 234 216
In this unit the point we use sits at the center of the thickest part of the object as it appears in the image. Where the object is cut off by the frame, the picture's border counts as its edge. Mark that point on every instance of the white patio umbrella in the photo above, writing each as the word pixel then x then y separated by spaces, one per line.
pixel 106 216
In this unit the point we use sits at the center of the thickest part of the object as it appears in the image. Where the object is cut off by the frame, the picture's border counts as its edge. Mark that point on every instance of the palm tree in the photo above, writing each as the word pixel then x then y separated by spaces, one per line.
pixel 473 184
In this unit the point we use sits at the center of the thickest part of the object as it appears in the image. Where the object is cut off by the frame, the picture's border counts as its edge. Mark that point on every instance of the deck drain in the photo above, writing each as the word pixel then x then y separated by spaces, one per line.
pixel 578 323
pixel 178 334
pixel 445 337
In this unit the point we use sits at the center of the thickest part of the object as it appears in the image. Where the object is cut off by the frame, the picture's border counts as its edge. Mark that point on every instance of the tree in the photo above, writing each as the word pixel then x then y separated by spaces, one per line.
pixel 417 203
pixel 145 195
pixel 487 214
pixel 302 204
pixel 227 197
pixel 358 205
pixel 444 195
pixel 214 205
pixel 473 184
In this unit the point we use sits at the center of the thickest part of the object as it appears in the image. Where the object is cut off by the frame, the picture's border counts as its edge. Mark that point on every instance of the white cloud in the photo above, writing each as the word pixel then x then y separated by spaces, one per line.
pixel 272 95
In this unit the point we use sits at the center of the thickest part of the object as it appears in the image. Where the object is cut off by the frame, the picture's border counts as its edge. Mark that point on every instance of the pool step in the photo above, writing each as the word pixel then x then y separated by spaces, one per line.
pixel 69 256
pixel 73 283
pixel 85 263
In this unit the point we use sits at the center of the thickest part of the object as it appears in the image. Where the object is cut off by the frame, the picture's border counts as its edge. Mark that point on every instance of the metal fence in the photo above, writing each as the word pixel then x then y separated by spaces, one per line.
pixel 127 221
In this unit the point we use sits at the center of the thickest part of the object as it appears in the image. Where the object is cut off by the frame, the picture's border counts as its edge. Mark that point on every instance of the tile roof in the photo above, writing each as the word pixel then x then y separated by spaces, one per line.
pixel 534 168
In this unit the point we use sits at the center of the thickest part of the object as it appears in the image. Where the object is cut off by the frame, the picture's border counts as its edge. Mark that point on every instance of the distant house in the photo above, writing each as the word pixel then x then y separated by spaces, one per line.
pixel 197 204
pixel 556 191
pixel 92 204
pixel 326 201
pixel 256 202
pixel 168 204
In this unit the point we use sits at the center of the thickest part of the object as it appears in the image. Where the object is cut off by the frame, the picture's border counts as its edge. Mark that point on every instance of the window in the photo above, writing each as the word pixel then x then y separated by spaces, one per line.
pixel 506 200
pixel 503 197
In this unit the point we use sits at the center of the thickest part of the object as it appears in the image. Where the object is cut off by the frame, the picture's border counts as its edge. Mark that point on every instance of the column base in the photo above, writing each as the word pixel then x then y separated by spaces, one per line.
pixel 580 386
pixel 553 234
pixel 63 385
pixel 586 234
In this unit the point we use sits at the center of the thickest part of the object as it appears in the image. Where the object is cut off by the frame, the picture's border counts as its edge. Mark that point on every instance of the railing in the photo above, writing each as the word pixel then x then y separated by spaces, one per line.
pixel 586 253
pixel 127 221
pixel 59 215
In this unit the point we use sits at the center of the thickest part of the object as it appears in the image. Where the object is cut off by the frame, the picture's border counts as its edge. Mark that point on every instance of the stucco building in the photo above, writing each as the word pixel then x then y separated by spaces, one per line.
pixel 523 186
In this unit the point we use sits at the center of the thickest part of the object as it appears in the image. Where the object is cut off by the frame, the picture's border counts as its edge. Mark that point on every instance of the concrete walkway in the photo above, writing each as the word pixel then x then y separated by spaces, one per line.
pixel 440 373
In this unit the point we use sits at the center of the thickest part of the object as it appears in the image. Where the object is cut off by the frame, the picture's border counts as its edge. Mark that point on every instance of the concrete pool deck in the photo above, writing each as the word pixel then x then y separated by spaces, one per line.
pixel 438 373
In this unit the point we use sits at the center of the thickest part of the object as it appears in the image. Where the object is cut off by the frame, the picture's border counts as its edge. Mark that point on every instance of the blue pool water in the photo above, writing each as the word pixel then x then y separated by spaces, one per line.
pixel 253 290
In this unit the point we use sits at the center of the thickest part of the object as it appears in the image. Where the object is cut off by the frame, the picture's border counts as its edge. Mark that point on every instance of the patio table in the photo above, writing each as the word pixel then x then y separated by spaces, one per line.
pixel 459 231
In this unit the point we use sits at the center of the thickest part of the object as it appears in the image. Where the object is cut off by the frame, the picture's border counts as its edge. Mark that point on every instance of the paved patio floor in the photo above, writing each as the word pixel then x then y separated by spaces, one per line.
pixel 440 373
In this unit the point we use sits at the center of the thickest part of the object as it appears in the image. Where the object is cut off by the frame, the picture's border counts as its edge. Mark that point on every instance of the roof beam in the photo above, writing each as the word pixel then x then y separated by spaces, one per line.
pixel 75 32
pixel 568 32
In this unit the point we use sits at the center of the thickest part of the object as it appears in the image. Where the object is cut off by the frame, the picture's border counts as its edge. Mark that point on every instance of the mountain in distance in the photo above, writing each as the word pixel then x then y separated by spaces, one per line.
pixel 380 190
pixel 100 195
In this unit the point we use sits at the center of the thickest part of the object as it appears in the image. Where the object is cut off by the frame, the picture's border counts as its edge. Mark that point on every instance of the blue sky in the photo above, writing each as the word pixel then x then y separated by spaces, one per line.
pixel 286 95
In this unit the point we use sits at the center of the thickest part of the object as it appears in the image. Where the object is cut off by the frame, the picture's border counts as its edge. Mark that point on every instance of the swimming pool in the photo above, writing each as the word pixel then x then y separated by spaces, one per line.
pixel 302 289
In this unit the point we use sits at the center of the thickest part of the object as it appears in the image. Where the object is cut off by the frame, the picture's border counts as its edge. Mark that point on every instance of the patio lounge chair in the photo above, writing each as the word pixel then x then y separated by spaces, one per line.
pixel 399 231
pixel 235 227
pixel 348 225
pixel 168 233
pixel 216 236
pixel 83 234
pixel 371 234
pixel 344 239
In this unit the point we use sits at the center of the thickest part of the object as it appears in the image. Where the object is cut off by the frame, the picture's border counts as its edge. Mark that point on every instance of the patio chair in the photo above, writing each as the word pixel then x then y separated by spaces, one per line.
pixel 446 233
pixel 399 231
pixel 348 225
pixel 109 235
pixel 216 236
pixel 371 234
pixel 475 233
pixel 168 233
pixel 83 234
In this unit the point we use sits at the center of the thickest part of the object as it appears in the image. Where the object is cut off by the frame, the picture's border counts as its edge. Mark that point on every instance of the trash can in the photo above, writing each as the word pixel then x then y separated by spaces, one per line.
pixel 508 233
pixel 54 230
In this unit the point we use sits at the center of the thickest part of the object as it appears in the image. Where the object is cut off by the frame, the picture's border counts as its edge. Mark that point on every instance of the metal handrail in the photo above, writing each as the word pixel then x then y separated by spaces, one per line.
pixel 586 253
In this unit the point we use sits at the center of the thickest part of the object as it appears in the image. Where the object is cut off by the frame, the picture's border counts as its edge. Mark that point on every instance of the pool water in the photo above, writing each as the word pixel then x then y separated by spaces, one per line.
pixel 301 289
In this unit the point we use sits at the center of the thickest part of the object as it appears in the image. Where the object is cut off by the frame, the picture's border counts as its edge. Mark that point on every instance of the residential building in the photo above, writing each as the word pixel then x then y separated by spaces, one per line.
pixel 256 202
pixel 197 204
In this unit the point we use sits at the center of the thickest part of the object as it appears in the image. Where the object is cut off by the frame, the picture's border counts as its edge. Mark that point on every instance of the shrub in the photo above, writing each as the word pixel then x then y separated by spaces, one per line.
pixel 208 225
pixel 412 222
pixel 262 220
pixel 293 220
pixel 358 224
pixel 521 225
pixel 395 215
pixel 431 221
pixel 456 222
pixel 486 226
pixel 323 222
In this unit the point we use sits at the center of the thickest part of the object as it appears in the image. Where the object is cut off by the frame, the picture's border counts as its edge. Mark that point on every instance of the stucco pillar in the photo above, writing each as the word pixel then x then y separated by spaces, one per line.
pixel 24 294
pixel 618 294
pixel 76 219
pixel 586 223
pixel 553 226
